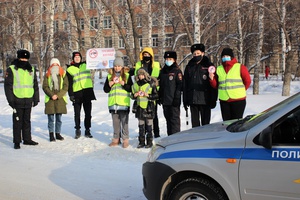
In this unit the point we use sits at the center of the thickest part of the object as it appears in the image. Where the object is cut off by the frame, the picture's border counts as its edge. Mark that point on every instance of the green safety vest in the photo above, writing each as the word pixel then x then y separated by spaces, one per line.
pixel 47 98
pixel 23 82
pixel 117 95
pixel 81 77
pixel 155 69
pixel 146 88
pixel 231 85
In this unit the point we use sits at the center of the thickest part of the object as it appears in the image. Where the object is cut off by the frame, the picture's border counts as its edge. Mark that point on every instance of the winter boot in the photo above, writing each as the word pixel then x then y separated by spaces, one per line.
pixel 141 142
pixel 114 142
pixel 141 136
pixel 17 146
pixel 149 142
pixel 59 137
pixel 77 133
pixel 51 137
pixel 88 133
pixel 149 137
pixel 125 143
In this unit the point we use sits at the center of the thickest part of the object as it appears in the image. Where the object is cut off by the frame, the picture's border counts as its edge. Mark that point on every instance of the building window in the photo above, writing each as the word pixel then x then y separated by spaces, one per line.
pixel 168 42
pixel 154 40
pixel 55 26
pixel 141 42
pixel 107 22
pixel 139 20
pixel 122 2
pixel 108 42
pixel 44 27
pixel 31 10
pixel 79 4
pixel 30 47
pixel 121 43
pixel 82 42
pixel 65 25
pixel 93 4
pixel 94 22
pixel 32 28
pixel 139 2
pixel 154 21
pixel 122 21
pixel 168 19
pixel 81 24
pixel 93 41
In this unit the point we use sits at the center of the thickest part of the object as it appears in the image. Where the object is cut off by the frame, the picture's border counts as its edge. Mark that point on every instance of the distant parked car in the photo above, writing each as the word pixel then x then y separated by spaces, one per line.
pixel 255 158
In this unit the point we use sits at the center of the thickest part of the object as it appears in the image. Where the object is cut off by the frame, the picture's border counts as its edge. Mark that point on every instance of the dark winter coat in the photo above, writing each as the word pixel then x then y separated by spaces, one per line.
pixel 197 89
pixel 170 85
pixel 14 101
pixel 58 106
pixel 81 96
pixel 149 112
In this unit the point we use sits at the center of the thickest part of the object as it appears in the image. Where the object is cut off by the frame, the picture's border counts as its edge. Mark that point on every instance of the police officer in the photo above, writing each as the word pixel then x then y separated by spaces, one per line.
pixel 198 94
pixel 152 67
pixel 171 83
pixel 22 93
pixel 81 92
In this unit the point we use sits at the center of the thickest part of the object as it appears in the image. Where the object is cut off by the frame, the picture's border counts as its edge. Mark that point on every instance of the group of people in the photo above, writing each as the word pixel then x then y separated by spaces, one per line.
pixel 147 84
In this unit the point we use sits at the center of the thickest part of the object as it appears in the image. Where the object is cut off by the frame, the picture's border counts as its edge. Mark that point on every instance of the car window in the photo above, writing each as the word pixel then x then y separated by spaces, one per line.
pixel 287 130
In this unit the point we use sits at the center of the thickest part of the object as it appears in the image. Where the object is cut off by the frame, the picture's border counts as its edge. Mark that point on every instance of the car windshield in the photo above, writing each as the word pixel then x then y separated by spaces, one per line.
pixel 252 120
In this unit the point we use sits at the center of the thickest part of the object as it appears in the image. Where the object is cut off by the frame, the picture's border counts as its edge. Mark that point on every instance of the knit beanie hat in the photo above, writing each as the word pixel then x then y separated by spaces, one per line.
pixel 170 54
pixel 76 53
pixel 118 59
pixel 195 47
pixel 227 52
pixel 54 60
pixel 23 54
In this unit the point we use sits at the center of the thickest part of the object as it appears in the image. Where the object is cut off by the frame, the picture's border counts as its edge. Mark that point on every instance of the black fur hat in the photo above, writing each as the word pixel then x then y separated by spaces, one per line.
pixel 170 54
pixel 195 47
pixel 23 54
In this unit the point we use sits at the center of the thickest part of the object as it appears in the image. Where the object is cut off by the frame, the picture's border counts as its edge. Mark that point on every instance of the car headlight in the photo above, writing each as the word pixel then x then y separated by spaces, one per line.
pixel 156 151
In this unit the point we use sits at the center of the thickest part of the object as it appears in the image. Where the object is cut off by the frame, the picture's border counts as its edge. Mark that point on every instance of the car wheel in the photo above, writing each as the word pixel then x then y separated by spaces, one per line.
pixel 197 188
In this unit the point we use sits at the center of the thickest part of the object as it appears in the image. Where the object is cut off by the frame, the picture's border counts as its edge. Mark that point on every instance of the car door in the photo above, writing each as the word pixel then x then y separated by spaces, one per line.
pixel 274 173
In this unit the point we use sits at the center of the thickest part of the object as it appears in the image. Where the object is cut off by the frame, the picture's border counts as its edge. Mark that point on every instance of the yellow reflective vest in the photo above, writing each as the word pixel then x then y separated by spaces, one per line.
pixel 117 95
pixel 142 101
pixel 155 69
pixel 81 77
pixel 23 82
pixel 231 85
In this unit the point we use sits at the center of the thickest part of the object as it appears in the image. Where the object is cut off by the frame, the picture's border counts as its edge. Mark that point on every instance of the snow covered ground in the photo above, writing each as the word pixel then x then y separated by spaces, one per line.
pixel 88 168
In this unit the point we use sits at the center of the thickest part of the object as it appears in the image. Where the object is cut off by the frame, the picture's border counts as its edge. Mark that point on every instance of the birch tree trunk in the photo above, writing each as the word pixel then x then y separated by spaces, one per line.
pixel 285 69
pixel 51 29
pixel 197 21
pixel 149 23
pixel 240 33
pixel 259 47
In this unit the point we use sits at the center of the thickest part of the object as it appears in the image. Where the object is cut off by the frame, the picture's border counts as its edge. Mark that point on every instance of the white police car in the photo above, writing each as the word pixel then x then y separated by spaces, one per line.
pixel 256 158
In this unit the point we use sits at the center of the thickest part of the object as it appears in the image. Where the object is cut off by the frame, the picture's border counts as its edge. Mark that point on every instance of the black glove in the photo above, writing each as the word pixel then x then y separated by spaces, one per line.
pixel 185 106
pixel 72 98
pixel 11 104
pixel 176 102
pixel 35 103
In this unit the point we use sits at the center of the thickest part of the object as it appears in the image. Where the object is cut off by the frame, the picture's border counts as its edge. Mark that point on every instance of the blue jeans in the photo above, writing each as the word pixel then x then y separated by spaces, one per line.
pixel 58 123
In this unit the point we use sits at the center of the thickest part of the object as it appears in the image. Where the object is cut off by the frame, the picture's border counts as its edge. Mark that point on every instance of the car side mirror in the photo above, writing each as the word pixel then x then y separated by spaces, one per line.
pixel 265 138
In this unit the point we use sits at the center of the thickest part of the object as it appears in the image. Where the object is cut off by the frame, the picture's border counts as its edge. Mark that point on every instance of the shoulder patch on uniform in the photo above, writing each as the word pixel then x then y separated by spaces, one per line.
pixel 180 76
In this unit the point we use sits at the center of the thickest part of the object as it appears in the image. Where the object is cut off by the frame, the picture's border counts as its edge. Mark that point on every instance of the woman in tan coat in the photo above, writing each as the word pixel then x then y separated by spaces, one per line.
pixel 55 86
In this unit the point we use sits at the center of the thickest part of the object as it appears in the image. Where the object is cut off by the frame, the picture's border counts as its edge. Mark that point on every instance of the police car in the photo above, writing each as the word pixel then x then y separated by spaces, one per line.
pixel 255 158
